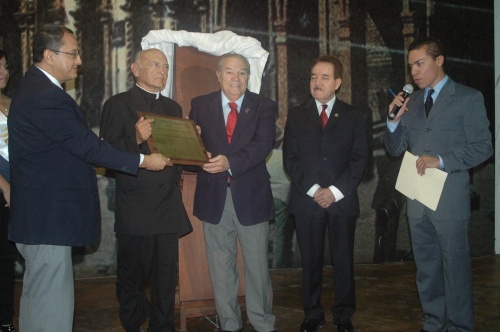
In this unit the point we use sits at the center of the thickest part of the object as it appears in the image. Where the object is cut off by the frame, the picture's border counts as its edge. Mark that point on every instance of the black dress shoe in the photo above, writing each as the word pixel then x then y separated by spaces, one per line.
pixel 7 328
pixel 311 325
pixel 343 324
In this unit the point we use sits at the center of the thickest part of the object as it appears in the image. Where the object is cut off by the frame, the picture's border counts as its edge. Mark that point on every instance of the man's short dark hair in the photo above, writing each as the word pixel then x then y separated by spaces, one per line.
pixel 49 36
pixel 338 69
pixel 433 46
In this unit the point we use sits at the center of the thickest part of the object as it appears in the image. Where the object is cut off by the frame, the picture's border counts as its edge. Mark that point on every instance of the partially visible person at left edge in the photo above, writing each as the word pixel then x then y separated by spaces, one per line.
pixel 8 251
pixel 54 197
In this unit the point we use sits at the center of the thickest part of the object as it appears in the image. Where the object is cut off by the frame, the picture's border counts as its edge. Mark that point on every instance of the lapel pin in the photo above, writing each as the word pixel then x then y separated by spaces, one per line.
pixel 247 110
pixel 336 115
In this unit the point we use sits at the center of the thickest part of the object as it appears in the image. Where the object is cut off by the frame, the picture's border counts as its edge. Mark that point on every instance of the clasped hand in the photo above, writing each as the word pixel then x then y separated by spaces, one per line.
pixel 324 197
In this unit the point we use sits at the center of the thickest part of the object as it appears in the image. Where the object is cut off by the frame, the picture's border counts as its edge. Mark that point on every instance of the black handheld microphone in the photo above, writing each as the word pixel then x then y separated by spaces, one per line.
pixel 407 90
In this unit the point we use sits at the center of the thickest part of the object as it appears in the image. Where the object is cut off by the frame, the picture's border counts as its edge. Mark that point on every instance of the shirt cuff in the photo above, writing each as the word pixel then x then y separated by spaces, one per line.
pixel 338 195
pixel 141 159
pixel 313 189
pixel 441 164
pixel 392 125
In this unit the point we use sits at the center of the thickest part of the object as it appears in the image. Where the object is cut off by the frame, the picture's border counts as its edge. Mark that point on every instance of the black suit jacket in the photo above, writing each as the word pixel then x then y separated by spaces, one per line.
pixel 252 141
pixel 150 202
pixel 54 197
pixel 334 155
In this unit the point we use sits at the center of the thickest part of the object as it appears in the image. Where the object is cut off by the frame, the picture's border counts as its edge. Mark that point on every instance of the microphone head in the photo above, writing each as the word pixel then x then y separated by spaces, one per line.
pixel 408 88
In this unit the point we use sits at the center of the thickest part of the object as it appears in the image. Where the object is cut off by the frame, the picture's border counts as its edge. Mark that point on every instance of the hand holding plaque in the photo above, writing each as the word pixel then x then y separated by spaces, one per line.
pixel 177 139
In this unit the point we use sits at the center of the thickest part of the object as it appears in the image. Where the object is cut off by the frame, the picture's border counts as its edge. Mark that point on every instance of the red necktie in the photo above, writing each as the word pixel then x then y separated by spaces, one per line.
pixel 231 120
pixel 323 117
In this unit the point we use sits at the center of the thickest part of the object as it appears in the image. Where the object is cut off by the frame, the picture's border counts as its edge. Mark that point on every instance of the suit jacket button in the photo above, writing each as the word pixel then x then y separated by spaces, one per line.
pixel 427 150
pixel 323 158
pixel 427 130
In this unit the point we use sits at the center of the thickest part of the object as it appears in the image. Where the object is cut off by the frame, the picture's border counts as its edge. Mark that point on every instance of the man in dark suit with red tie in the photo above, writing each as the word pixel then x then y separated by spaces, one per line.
pixel 233 193
pixel 324 153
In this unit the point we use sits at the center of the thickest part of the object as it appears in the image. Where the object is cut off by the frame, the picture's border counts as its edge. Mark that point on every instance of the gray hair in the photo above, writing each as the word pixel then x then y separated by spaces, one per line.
pixel 232 55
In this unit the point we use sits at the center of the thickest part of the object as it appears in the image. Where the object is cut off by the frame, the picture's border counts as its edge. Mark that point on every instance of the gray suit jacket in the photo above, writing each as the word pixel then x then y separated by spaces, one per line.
pixel 457 130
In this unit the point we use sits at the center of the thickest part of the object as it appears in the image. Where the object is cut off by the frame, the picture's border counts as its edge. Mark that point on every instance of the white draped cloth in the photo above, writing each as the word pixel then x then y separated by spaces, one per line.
pixel 217 44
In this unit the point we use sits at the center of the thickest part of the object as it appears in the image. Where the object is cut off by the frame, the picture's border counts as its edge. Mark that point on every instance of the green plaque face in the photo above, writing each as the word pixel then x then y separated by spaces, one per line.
pixel 177 139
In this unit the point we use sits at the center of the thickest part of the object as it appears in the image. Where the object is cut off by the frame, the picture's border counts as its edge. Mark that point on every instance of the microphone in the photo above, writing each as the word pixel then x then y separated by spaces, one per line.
pixel 407 90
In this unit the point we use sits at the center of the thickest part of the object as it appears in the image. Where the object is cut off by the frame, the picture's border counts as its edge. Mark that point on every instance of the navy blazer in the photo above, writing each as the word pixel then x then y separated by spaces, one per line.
pixel 457 129
pixel 151 202
pixel 252 141
pixel 334 155
pixel 54 196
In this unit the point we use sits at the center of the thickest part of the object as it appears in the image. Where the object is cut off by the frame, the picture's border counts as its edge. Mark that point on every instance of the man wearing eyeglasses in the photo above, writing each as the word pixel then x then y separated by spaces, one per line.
pixel 150 216
pixel 54 197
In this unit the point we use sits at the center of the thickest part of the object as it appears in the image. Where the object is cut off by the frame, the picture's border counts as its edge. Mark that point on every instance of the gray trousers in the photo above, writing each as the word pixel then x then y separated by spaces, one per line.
pixel 444 277
pixel 221 248
pixel 47 299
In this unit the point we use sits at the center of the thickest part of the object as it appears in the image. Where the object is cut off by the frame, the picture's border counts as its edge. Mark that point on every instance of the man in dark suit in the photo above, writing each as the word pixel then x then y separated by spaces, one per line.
pixel 453 136
pixel 150 216
pixel 54 197
pixel 233 194
pixel 324 153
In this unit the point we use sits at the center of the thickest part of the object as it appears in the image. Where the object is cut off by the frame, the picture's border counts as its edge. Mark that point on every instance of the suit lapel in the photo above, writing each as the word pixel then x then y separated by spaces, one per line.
pixel 443 99
pixel 245 115
pixel 215 107
pixel 336 114
pixel 311 114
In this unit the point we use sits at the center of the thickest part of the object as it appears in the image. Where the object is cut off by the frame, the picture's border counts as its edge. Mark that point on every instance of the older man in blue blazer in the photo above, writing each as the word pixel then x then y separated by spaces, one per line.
pixel 54 197
pixel 447 128
pixel 233 193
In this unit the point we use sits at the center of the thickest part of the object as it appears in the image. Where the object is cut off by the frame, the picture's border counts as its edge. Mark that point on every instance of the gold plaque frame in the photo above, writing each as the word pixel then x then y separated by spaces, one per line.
pixel 177 139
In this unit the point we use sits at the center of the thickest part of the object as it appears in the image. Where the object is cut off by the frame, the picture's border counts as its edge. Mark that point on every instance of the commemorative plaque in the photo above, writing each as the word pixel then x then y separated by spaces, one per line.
pixel 177 139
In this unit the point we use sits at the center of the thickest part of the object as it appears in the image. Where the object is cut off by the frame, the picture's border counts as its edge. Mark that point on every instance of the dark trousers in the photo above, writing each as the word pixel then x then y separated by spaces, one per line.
pixel 8 256
pixel 143 260
pixel 311 232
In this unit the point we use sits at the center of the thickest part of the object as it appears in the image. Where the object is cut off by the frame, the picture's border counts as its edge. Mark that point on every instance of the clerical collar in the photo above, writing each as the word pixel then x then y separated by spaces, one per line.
pixel 153 93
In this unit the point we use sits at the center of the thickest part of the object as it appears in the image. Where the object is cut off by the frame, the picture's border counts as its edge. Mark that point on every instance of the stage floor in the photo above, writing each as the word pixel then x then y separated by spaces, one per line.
pixel 386 298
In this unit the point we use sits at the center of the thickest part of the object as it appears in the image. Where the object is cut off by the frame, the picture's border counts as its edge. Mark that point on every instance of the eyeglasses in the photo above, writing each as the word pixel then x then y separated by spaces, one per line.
pixel 74 54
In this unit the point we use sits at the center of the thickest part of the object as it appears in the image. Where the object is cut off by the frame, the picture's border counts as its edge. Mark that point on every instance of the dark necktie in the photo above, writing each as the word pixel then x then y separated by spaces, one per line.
pixel 231 120
pixel 323 117
pixel 428 102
